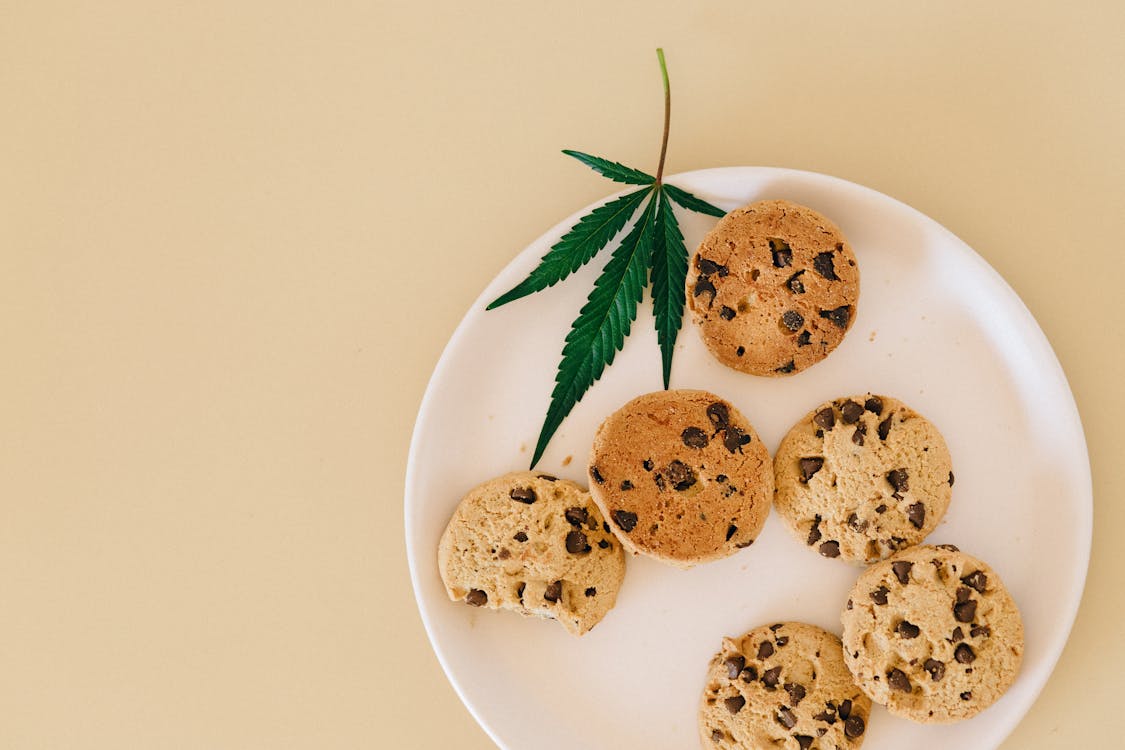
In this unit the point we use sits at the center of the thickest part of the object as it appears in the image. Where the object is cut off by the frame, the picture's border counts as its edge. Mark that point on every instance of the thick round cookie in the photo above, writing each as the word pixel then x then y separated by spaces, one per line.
pixel 782 686
pixel 773 288
pixel 534 544
pixel 681 476
pixel 932 634
pixel 862 477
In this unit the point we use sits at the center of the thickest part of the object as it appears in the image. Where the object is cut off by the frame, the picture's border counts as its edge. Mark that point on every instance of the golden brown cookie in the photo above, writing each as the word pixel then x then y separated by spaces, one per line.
pixel 932 634
pixel 861 477
pixel 773 288
pixel 782 686
pixel 681 476
pixel 533 544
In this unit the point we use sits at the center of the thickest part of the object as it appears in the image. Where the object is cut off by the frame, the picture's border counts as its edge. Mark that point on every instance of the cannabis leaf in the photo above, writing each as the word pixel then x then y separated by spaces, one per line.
pixel 652 250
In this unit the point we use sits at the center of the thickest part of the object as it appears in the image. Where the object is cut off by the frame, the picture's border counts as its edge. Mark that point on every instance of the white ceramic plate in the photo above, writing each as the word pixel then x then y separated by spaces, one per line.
pixel 936 327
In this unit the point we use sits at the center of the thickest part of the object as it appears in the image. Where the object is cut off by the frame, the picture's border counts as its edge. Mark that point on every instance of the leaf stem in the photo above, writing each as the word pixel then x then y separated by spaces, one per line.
pixel 667 113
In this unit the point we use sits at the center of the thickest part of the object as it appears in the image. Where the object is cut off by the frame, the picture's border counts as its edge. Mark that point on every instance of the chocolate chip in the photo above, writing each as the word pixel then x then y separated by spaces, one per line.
pixel 626 520
pixel 591 591
pixel 786 718
pixel 916 514
pixel 851 411
pixel 749 674
pixel 951 479
pixel 967 695
pixel 839 316
pixel 524 495
pixel 814 532
pixel 965 611
pixel 548 477
pixel 703 285
pixel 899 479
pixel 658 480
pixel 744 545
pixel 731 531
pixel 765 650
pixel 792 320
pixel 884 428
pixel 782 641
pixel 828 717
pixel 727 313
pixel 978 631
pixel 734 438
pixel 879 595
pixel 901 570
pixel 796 693
pixel 963 594
pixel 874 404
pixel 804 339
pixel 859 434
pixel 520 536
pixel 680 475
pixel 553 592
pixel 964 654
pixel 957 635
pixel 716 735
pixel 935 668
pixel 845 709
pixel 880 509
pixel 719 414
pixel 795 284
pixel 856 524
pixel 770 677
pixel 823 265
pixel 694 437
pixel 519 590
pixel 899 681
pixel 721 478
pixel 830 549
pixel 849 605
pixel 908 629
pixel 735 704
pixel 977 580
pixel 810 466
pixel 476 598
pixel 782 255
pixel 576 543
pixel 825 418
pixel 949 547
pixel 576 516
pixel 740 351
pixel 787 368
pixel 504 553
pixel 603 544
pixel 854 727
pixel 647 464
pixel 804 742
pixel 708 267
pixel 597 475
pixel 735 664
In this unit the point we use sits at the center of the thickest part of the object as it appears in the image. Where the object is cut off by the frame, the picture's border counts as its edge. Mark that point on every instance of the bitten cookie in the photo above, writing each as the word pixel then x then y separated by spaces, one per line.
pixel 932 634
pixel 681 476
pixel 782 686
pixel 773 288
pixel 862 477
pixel 534 544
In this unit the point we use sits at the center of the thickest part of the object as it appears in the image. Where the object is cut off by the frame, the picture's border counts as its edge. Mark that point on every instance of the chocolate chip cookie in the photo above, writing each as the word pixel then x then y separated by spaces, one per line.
pixel 932 634
pixel 681 476
pixel 773 288
pixel 862 477
pixel 534 544
pixel 782 686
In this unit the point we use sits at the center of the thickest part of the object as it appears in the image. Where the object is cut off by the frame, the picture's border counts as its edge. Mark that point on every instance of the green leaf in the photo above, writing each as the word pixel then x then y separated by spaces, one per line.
pixel 691 203
pixel 592 232
pixel 669 272
pixel 611 169
pixel 601 327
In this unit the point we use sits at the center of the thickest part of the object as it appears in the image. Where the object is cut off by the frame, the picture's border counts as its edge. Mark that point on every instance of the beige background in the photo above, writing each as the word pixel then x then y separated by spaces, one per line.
pixel 234 238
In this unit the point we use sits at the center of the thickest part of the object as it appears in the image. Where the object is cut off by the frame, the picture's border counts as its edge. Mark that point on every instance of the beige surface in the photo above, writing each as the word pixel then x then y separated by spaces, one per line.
pixel 233 241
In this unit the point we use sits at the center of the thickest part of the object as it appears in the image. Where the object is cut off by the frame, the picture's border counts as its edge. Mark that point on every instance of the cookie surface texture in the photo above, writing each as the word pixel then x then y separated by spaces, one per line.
pixel 681 476
pixel 773 288
pixel 782 686
pixel 860 478
pixel 533 544
pixel 932 634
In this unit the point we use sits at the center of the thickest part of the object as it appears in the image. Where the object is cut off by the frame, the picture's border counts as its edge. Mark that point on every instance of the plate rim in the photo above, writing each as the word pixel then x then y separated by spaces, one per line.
pixel 1012 299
